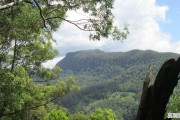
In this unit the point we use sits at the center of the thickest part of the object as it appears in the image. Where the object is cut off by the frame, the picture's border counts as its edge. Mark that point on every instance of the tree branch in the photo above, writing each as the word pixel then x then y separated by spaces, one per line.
pixel 29 2
pixel 144 92
pixel 40 11
pixel 72 22
pixel 14 56
pixel 43 104
pixel 11 4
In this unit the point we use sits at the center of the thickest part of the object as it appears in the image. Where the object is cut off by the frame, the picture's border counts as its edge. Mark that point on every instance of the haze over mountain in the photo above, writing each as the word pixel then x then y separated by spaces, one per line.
pixel 110 79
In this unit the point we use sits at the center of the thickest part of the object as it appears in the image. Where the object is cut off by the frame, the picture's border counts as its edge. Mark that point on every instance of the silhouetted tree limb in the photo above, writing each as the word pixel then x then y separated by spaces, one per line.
pixel 144 92
pixel 158 94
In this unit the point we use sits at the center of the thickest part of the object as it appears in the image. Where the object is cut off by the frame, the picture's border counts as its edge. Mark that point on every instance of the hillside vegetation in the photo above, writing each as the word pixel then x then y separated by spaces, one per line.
pixel 110 79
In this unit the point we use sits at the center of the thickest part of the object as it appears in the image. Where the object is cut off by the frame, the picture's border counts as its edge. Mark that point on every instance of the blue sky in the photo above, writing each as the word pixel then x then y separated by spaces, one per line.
pixel 153 24
pixel 173 15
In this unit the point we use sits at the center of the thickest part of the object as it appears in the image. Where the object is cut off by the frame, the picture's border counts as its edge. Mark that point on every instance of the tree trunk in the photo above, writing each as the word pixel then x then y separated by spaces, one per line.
pixel 157 96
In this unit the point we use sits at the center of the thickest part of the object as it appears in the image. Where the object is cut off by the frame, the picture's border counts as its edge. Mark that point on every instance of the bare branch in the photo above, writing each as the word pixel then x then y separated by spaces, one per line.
pixel 144 92
pixel 14 56
pixel 70 22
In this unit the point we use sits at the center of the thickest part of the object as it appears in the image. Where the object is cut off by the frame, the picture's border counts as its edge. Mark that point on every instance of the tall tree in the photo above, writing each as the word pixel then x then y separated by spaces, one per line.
pixel 26 28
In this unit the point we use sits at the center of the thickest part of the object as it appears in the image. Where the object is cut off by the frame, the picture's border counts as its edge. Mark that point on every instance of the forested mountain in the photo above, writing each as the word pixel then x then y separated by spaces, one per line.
pixel 110 79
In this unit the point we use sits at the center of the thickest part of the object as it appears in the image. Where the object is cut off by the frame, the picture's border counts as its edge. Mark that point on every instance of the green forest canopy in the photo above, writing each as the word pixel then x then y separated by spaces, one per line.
pixel 112 80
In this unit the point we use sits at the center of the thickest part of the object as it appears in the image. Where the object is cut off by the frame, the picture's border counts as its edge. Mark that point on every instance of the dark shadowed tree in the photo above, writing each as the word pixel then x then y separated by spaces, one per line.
pixel 155 98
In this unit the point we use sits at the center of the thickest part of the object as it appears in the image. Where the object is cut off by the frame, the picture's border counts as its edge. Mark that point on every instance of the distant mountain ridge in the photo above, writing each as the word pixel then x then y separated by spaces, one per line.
pixel 110 79
pixel 90 59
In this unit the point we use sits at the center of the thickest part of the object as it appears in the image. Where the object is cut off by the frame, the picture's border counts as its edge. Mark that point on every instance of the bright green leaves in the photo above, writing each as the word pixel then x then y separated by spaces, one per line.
pixel 21 92
pixel 47 75
pixel 110 115
pixel 120 35
pixel 100 114
pixel 35 52
pixel 39 52
pixel 174 103
pixel 71 83
pixel 24 22
pixel 13 88
pixel 56 115
pixel 64 87
pixel 79 116
pixel 24 27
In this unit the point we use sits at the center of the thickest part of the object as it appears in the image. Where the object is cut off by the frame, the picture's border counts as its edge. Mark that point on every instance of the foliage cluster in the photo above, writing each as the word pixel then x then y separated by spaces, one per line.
pixel 27 89
pixel 98 114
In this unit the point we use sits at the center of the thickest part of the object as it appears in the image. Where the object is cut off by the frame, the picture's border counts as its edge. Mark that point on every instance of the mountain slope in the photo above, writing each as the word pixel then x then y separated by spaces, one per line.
pixel 92 59
pixel 110 79
pixel 91 66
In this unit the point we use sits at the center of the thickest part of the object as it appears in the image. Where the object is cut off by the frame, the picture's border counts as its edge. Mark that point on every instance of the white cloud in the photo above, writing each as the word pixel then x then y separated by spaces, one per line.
pixel 69 38
pixel 52 63
pixel 143 17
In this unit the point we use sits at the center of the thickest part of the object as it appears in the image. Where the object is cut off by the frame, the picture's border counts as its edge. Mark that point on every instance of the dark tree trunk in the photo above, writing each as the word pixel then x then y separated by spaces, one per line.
pixel 157 95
